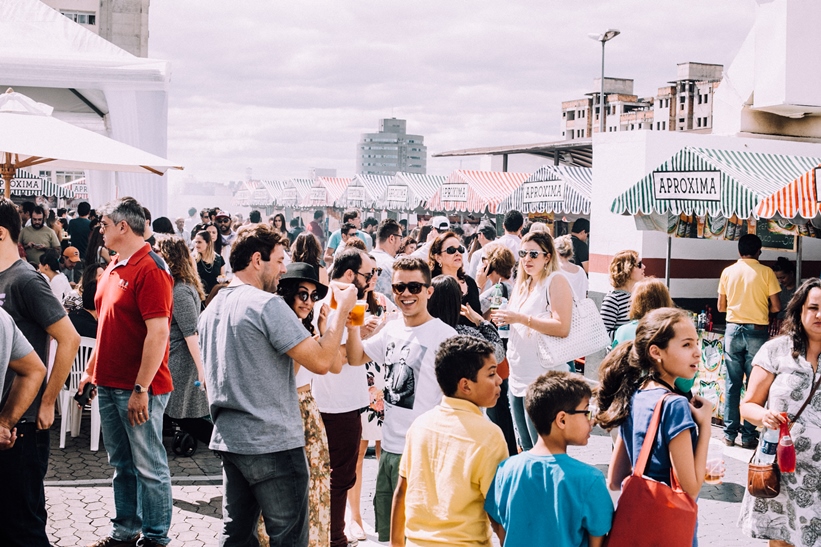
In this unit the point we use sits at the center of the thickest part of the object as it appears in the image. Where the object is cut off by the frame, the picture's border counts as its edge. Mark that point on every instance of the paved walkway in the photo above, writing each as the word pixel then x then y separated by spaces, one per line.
pixel 79 497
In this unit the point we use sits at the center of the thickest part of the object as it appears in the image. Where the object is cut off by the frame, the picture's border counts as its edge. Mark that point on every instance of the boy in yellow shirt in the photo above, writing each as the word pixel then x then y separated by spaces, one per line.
pixel 451 454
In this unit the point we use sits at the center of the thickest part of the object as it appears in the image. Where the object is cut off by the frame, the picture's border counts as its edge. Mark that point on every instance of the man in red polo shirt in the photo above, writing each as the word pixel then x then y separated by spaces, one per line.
pixel 130 368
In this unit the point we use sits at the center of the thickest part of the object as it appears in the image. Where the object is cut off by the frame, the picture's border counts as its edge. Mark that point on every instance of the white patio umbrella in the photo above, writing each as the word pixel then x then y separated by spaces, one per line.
pixel 30 135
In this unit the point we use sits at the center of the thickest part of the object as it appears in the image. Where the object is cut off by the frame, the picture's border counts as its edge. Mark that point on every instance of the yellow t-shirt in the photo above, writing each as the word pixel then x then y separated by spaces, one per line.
pixel 450 459
pixel 748 285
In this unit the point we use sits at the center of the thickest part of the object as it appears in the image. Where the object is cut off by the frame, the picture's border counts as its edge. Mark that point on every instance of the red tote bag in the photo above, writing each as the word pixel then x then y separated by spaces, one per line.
pixel 649 512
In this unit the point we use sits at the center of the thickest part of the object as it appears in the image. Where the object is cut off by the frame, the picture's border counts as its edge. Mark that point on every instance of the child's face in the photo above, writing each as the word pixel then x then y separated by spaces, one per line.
pixel 681 357
pixel 485 391
pixel 578 425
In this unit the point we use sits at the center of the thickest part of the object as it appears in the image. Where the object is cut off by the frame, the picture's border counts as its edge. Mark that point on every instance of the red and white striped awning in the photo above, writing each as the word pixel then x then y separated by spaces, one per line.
pixel 475 191
pixel 798 199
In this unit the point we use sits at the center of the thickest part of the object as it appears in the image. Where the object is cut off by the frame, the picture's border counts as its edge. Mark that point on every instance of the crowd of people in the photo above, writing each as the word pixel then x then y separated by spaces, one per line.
pixel 289 352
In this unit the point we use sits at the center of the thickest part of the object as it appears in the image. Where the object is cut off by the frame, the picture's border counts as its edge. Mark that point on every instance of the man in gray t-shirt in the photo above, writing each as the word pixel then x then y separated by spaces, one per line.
pixel 249 339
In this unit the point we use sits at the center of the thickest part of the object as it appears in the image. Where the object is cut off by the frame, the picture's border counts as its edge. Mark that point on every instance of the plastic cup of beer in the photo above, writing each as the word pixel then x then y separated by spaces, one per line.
pixel 358 313
pixel 715 464
pixel 340 286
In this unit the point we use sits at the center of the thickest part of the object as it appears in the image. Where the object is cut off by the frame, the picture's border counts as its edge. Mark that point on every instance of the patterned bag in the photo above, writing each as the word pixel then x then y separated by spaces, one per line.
pixel 587 335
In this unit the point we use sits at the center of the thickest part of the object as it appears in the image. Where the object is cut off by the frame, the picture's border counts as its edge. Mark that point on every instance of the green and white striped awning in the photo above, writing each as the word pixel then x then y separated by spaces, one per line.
pixel 718 182
pixel 26 184
pixel 557 189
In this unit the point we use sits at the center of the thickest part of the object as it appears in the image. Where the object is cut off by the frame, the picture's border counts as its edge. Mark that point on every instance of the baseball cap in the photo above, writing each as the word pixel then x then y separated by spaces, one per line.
pixel 441 224
pixel 72 254
pixel 225 214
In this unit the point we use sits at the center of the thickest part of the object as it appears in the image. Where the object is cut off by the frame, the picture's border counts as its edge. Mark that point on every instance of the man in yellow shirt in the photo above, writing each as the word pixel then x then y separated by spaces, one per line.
pixel 748 292
pixel 451 454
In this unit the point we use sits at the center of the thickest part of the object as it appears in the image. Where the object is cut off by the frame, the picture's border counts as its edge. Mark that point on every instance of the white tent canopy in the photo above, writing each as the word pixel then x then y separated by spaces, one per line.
pixel 42 50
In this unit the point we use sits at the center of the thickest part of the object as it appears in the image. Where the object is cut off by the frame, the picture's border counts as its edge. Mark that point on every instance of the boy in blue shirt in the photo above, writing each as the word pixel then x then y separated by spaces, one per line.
pixel 543 496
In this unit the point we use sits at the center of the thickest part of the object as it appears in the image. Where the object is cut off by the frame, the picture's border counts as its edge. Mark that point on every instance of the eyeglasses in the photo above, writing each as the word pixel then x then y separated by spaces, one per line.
pixel 367 276
pixel 532 254
pixel 587 413
pixel 223 220
pixel 304 296
pixel 454 250
pixel 414 287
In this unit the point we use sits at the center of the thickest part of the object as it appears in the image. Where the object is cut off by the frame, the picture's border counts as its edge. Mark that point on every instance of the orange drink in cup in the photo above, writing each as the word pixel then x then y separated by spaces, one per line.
pixel 358 313
pixel 340 286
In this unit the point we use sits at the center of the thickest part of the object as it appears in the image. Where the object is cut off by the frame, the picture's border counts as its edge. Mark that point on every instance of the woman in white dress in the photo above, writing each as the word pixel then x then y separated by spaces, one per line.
pixel 542 303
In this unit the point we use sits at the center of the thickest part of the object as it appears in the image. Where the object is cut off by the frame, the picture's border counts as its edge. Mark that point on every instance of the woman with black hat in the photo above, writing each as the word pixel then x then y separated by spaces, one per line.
pixel 301 289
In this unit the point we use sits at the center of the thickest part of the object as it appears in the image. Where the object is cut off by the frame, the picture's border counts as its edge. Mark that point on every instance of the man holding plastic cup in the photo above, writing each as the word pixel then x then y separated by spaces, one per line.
pixel 341 397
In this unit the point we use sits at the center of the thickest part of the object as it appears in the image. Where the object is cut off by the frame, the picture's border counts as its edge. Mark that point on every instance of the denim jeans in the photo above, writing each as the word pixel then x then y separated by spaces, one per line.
pixel 525 430
pixel 275 483
pixel 23 502
pixel 741 343
pixel 142 481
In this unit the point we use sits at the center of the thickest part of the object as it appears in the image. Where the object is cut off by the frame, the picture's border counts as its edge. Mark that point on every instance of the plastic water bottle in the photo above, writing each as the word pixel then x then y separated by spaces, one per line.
pixel 768 446
pixel 499 302
pixel 702 320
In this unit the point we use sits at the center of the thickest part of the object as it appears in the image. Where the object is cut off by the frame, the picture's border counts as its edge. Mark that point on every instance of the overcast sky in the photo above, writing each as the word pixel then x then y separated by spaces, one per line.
pixel 281 87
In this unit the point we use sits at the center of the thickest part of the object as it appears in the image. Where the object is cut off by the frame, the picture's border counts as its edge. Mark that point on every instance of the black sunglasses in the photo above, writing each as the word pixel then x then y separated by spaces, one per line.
pixel 377 272
pixel 454 250
pixel 639 264
pixel 414 287
pixel 304 296
pixel 533 254
pixel 367 276
pixel 223 220
pixel 587 413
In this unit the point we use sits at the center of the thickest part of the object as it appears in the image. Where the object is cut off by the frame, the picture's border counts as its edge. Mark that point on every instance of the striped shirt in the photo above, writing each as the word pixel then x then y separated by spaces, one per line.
pixel 615 308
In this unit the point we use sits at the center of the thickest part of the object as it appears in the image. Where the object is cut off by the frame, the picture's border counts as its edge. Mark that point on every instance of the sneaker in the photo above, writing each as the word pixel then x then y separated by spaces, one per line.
pixel 111 542
pixel 729 442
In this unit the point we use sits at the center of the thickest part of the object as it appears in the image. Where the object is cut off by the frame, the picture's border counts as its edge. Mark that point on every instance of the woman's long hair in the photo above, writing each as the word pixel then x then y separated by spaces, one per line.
pixel 183 269
pixel 650 294
pixel 436 248
pixel 95 241
pixel 792 325
pixel 446 301
pixel 283 225
pixel 524 282
pixel 306 249
pixel 627 367
pixel 209 255
pixel 287 289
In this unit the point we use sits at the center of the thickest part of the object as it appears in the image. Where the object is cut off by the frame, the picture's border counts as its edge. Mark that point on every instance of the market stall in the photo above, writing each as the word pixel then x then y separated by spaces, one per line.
pixel 78 188
pixel 293 192
pixel 410 192
pixel 702 193
pixel 34 188
pixel 475 191
pixel 324 192
pixel 553 190
pixel 364 191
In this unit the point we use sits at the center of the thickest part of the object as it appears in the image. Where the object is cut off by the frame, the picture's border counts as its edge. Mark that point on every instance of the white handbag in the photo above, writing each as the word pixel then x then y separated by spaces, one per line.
pixel 587 336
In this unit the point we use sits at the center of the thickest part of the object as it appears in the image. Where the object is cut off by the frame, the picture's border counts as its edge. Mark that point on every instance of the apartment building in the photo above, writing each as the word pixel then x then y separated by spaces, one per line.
pixel 391 150
pixel 685 104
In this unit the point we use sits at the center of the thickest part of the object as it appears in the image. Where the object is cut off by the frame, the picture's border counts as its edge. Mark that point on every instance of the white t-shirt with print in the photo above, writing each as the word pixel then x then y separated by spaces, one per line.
pixel 408 354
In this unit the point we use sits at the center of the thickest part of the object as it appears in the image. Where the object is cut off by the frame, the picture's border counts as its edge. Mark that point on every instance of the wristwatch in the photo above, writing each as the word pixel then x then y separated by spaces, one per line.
pixel 140 389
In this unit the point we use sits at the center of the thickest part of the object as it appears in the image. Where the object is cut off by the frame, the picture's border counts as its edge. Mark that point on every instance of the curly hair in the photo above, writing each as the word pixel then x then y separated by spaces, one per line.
pixel 306 249
pixel 626 367
pixel 621 267
pixel 182 266
pixel 792 325
pixel 500 259
pixel 287 289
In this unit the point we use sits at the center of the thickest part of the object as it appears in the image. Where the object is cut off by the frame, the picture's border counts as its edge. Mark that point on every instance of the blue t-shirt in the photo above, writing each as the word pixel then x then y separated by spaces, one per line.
pixel 336 239
pixel 675 418
pixel 549 500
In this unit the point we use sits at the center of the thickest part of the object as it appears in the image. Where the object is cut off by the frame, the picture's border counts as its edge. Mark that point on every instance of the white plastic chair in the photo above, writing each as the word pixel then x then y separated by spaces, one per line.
pixel 71 413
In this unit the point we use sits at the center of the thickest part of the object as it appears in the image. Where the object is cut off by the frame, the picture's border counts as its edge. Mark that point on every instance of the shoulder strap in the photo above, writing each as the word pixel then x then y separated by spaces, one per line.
pixel 649 438
pixel 812 392
pixel 504 290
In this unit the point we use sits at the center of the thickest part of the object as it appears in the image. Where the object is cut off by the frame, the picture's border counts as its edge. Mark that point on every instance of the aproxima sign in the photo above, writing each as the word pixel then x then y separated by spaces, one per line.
pixel 691 185
pixel 536 192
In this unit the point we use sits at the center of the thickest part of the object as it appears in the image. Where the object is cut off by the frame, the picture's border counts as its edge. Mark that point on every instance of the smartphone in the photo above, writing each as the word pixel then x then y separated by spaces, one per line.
pixel 82 398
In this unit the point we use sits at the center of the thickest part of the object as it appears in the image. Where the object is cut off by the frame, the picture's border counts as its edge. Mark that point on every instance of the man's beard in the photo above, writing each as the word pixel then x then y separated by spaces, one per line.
pixel 36 227
pixel 360 290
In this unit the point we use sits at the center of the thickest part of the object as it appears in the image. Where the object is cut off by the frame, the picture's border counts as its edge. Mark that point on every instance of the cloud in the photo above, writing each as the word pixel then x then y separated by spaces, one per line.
pixel 285 86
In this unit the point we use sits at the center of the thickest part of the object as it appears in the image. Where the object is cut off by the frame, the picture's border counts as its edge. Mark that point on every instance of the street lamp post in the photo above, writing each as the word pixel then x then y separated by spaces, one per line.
pixel 605 37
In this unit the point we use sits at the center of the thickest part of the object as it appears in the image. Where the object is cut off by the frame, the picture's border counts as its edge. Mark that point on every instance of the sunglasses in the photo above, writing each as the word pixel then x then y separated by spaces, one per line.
pixel 414 287
pixel 640 264
pixel 587 413
pixel 304 296
pixel 223 220
pixel 532 254
pixel 367 276
pixel 454 250
pixel 377 272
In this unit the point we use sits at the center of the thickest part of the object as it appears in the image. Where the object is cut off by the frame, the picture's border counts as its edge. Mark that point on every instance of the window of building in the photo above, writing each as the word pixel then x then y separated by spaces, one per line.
pixel 682 99
pixel 698 122
pixel 706 98
pixel 81 17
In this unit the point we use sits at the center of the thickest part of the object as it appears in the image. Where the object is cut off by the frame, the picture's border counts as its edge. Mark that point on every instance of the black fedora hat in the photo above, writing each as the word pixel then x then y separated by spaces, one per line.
pixel 302 271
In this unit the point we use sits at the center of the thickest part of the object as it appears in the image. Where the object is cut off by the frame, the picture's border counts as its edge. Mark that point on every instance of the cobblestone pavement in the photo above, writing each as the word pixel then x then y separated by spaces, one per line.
pixel 79 497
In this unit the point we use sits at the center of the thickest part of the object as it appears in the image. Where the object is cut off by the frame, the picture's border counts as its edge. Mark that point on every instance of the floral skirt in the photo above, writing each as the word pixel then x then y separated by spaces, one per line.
pixel 319 469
